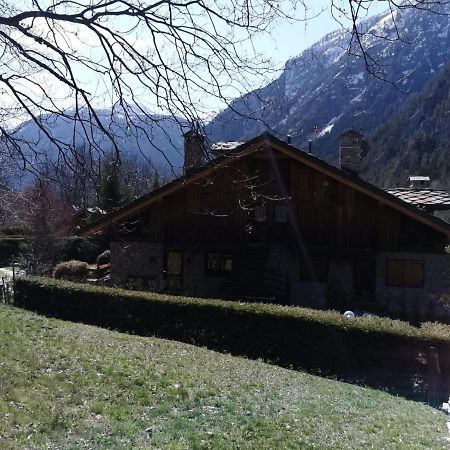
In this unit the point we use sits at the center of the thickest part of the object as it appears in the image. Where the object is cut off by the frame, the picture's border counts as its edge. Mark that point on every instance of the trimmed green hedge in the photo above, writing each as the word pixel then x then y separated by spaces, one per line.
pixel 375 351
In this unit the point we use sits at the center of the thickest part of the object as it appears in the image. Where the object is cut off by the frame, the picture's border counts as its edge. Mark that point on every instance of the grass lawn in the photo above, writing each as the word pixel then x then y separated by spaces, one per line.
pixel 71 386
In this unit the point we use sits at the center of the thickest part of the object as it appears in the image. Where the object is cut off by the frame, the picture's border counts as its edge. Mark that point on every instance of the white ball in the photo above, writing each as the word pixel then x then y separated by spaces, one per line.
pixel 349 315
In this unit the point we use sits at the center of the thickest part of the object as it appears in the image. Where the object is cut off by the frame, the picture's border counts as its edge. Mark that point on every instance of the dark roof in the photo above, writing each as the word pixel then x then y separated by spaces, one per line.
pixel 256 144
pixel 427 198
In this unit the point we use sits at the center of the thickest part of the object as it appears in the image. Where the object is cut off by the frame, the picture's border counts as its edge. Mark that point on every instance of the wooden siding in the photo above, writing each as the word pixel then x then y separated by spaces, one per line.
pixel 323 211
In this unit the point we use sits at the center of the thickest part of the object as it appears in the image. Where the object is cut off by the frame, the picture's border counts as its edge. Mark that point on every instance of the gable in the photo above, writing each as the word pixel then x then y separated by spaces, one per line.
pixel 313 181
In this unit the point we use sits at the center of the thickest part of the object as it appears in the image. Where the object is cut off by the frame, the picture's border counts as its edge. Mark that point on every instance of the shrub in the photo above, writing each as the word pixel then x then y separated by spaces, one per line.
pixel 104 258
pixel 71 270
pixel 15 231
pixel 375 351
pixel 9 247
pixel 84 248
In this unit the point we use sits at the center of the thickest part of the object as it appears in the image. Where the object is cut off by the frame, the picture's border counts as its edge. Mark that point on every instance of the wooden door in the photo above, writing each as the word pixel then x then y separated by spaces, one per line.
pixel 173 270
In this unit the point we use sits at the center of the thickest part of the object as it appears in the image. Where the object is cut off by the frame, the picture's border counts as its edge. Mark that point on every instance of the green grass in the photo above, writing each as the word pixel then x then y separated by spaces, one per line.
pixel 71 386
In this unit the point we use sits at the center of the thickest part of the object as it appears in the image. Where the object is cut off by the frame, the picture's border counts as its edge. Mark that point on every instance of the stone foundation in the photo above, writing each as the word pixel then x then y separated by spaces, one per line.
pixel 416 303
pixel 139 262
pixel 141 265
pixel 144 261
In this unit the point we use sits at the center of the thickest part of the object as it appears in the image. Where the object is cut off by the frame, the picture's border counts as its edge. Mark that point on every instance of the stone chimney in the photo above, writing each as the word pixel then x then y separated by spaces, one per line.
pixel 194 150
pixel 350 151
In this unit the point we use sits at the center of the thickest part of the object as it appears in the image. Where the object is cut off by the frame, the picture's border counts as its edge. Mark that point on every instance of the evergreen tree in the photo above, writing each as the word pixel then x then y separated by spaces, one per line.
pixel 110 196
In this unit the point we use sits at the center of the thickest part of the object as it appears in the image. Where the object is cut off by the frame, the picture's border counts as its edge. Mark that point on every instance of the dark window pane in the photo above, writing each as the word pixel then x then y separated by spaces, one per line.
pixel 280 213
pixel 219 263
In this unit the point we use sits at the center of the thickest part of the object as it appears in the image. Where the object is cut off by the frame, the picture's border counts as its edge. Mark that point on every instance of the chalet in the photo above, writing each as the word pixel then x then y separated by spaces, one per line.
pixel 263 219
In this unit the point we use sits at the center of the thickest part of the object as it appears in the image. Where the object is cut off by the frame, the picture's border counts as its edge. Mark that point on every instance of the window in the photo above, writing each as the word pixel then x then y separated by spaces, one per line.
pixel 219 264
pixel 405 273
pixel 260 213
pixel 173 270
pixel 314 268
pixel 281 214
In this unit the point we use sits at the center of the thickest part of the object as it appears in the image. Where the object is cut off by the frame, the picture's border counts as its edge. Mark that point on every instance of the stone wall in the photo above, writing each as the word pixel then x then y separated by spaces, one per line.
pixel 420 303
pixel 141 264
pixel 137 261
pixel 195 282
pixel 145 261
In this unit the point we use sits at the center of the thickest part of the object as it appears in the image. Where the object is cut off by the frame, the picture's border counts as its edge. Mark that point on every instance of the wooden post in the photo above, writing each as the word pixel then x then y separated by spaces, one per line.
pixel 14 279
pixel 434 374
pixel 3 292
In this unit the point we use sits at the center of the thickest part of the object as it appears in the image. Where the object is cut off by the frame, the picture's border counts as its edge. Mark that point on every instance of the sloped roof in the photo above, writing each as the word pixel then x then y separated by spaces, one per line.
pixel 430 199
pixel 260 142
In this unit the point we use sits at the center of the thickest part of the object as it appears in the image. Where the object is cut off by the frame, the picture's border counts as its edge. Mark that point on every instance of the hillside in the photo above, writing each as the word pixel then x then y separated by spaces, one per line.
pixel 66 385
pixel 325 90
pixel 415 141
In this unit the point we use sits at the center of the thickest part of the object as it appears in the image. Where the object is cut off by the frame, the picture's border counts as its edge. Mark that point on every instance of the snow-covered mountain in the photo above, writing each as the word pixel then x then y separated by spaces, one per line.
pixel 327 89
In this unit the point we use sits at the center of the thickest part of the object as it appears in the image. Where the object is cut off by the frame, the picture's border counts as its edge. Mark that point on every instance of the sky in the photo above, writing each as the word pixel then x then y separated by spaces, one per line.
pixel 289 40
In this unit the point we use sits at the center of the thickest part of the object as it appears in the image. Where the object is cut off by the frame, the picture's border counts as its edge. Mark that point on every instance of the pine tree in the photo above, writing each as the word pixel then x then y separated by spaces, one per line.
pixel 110 196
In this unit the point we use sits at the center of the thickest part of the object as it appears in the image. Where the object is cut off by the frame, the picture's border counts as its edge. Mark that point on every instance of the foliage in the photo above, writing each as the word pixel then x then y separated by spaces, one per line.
pixel 420 129
pixel 375 351
pixel 84 248
pixel 111 195
pixel 6 287
pixel 10 247
pixel 48 219
pixel 13 232
pixel 67 385
pixel 71 270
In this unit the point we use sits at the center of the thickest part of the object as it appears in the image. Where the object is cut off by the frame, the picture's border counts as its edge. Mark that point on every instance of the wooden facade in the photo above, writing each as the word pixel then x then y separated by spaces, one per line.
pixel 321 211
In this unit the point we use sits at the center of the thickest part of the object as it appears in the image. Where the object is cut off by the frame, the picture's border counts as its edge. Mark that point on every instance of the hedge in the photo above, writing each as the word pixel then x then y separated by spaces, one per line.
pixel 375 351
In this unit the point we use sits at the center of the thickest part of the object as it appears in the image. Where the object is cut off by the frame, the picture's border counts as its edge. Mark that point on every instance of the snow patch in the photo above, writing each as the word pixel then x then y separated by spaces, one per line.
pixel 326 130
pixel 355 79
pixel 358 98
pixel 329 126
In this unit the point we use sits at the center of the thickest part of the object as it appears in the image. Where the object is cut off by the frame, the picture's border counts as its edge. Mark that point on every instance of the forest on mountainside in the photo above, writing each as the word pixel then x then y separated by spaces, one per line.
pixel 416 141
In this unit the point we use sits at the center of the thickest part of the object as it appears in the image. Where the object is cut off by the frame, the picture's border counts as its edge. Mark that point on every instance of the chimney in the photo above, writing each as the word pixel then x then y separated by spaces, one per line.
pixel 194 150
pixel 419 182
pixel 350 151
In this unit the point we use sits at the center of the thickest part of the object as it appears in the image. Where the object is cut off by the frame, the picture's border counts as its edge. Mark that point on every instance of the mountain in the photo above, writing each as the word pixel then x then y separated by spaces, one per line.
pixel 326 90
pixel 155 139
pixel 415 141
pixel 319 94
